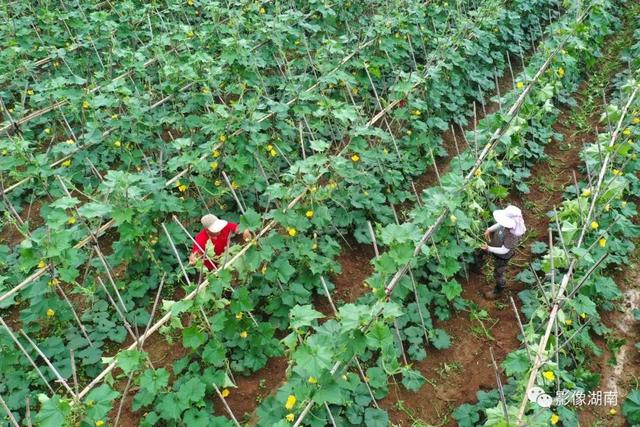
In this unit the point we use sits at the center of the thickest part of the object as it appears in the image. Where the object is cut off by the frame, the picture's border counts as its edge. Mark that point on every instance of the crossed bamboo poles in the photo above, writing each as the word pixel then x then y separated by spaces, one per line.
pixel 152 329
pixel 498 133
pixel 559 298
pixel 109 224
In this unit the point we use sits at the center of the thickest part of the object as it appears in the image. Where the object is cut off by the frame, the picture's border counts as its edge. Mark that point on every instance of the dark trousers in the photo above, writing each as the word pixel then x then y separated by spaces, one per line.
pixel 499 268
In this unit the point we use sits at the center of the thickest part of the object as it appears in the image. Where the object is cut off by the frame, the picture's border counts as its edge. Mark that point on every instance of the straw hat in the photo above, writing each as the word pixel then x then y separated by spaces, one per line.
pixel 213 223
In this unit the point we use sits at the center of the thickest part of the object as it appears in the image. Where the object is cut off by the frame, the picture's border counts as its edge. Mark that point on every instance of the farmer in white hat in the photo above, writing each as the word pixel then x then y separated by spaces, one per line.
pixel 219 232
pixel 503 237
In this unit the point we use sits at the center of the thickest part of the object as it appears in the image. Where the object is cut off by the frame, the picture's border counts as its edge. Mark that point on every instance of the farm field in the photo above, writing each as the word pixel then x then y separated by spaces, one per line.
pixel 361 148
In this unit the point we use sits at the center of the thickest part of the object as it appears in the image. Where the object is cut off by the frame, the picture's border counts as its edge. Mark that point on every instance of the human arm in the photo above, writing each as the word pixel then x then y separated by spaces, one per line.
pixel 488 231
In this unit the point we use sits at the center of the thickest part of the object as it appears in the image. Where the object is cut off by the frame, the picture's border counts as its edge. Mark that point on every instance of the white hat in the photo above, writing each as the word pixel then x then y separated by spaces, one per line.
pixel 213 223
pixel 510 217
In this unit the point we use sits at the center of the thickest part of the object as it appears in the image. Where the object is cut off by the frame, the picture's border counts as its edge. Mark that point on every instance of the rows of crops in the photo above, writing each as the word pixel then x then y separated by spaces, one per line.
pixel 310 121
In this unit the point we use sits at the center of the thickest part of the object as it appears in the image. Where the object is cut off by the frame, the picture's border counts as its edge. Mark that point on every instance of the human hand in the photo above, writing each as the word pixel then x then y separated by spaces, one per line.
pixel 484 247
pixel 246 235
pixel 487 235
pixel 192 259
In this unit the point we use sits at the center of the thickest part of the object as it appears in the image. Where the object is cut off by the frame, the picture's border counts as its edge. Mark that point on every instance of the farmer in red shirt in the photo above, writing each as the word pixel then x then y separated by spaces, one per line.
pixel 219 232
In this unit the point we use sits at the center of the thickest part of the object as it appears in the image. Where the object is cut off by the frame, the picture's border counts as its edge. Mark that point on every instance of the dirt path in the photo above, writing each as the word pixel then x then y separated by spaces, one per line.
pixel 456 374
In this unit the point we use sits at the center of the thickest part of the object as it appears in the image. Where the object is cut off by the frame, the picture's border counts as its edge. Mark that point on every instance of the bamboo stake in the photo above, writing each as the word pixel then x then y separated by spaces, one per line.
pixel 33 363
pixel 565 280
pixel 524 337
pixel 72 359
pixel 50 365
pixel 8 411
pixel 503 400
pixel 226 405
pixel 27 413
pixel 120 314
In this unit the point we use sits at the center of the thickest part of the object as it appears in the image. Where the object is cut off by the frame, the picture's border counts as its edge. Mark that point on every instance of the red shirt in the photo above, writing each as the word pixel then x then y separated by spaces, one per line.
pixel 219 242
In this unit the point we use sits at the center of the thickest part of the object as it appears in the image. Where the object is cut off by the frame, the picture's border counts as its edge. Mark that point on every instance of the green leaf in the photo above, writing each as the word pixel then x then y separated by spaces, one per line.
pixel 374 417
pixel 251 220
pixel 52 412
pixel 516 362
pixel 452 290
pixel 154 381
pixel 412 379
pixel 65 203
pixel 303 315
pixel 192 391
pixel 101 399
pixel 192 337
pixel 631 407
pixel 440 339
pixel 129 360
pixel 94 210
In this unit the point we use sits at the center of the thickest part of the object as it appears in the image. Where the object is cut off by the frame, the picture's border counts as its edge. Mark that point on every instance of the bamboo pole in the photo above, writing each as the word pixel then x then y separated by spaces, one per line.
pixel 29 358
pixel 566 278
pixel 50 365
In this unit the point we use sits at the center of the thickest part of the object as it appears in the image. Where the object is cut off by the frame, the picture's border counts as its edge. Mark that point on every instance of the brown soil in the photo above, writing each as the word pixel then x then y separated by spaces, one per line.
pixel 456 374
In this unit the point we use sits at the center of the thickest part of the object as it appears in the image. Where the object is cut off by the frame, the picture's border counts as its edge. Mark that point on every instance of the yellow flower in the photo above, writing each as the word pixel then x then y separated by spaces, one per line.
pixel 636 120
pixel 269 147
pixel 583 315
pixel 607 207
pixel 416 113
pixel 213 165
pixel 273 153
pixel 554 418
pixel 313 380
pixel 355 158
pixel 47 131
pixel 291 401
pixel 568 322
pixel 602 242
pixel 225 392
pixel 244 334
pixel 217 183
pixel 30 92
pixel 234 185
pixel 215 153
pixel 42 264
pixel 549 375
pixel 612 411
pixel 222 138
pixel 314 246
pixel 626 132
pixel 586 192
pixel 50 313
pixel 561 72
pixel 354 90
pixel 239 316
pixel 309 214
pixel 478 172
pixel 114 117
pixel 409 132
pixel 617 172
pixel 290 417
pixel 99 423
pixel 520 85
pixel 70 141
pixel 85 105
pixel 66 163
pixel 54 282
pixel 292 232
pixel 594 225
pixel 71 220
pixel 453 219
pixel 262 11
pixel 190 34
pixel 117 143
pixel 190 2
pixel 182 188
